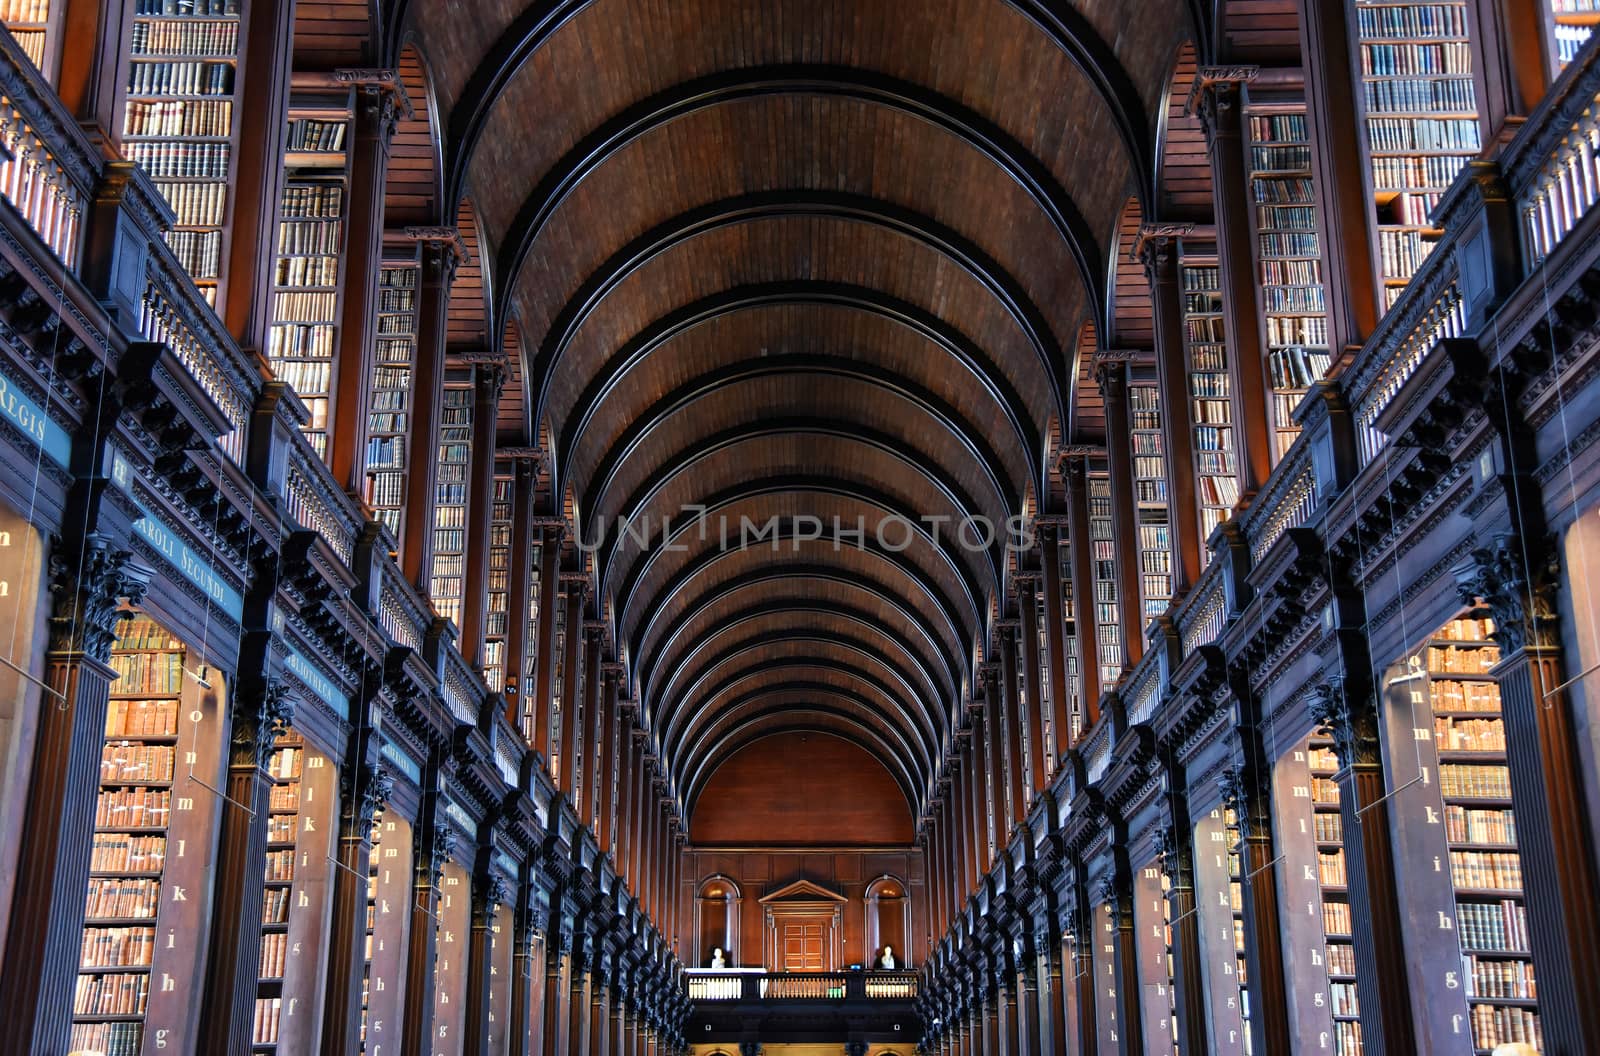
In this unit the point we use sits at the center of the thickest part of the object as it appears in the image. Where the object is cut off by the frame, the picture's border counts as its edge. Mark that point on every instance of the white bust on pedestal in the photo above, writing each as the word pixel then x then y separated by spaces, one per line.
pixel 718 960
pixel 886 962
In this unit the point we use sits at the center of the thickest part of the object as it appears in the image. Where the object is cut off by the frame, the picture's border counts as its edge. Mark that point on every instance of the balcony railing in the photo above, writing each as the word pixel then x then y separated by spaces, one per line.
pixel 48 168
pixel 802 986
pixel 1552 165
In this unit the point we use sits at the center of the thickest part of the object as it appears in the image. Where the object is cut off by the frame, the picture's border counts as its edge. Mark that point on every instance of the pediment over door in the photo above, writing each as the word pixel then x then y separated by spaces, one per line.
pixel 802 891
pixel 803 923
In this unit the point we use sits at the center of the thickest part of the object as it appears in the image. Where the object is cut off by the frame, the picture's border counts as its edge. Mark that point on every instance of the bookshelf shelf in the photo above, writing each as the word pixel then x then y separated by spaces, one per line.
pixel 1569 24
pixel 1107 602
pixel 454 460
pixel 286 768
pixel 1210 393
pixel 1151 512
pixel 1293 299
pixel 1420 122
pixel 32 24
pixel 498 583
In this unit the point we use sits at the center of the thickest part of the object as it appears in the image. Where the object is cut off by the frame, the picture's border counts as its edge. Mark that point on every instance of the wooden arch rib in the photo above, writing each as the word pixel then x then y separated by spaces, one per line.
pixel 966 355
pixel 1058 21
pixel 412 187
pixel 960 122
pixel 666 237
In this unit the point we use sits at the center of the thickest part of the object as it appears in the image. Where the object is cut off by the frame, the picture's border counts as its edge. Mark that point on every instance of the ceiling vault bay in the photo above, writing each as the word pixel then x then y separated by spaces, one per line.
pixel 794 259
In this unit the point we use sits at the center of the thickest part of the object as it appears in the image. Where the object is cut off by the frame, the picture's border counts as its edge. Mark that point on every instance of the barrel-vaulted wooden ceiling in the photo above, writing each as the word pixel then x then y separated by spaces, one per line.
pixel 801 259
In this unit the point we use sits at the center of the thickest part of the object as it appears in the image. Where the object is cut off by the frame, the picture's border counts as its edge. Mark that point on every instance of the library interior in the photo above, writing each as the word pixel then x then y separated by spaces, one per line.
pixel 799 527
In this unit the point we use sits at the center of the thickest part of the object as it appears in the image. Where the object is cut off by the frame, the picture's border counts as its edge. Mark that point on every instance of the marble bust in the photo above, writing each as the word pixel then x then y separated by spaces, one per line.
pixel 886 962
pixel 718 959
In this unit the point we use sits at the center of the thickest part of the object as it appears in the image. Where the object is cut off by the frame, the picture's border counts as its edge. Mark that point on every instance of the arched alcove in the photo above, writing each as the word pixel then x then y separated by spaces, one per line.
pixel 716 920
pixel 888 920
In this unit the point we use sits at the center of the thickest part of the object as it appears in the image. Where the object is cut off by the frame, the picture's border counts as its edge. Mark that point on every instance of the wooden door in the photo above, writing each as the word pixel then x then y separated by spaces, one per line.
pixel 803 947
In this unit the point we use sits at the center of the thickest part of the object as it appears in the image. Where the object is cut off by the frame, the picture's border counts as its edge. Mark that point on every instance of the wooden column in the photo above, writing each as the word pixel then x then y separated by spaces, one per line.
pixel 518 679
pixel 1517 576
pixel 637 835
pixel 1158 250
pixel 964 814
pixel 261 711
pixel 1080 991
pixel 600 1018
pixel 57 838
pixel 522 953
pixel 488 891
pixel 1511 60
pixel 588 778
pixel 579 997
pixel 577 588
pixel 377 113
pixel 1111 371
pixel 609 777
pixel 557 979
pixel 982 821
pixel 1075 470
pixel 91 75
pixel 244 296
pixel 999 769
pixel 1055 630
pixel 622 825
pixel 1344 212
pixel 1029 1040
pixel 1246 792
pixel 545 677
pixel 1028 628
pixel 434 836
pixel 1018 795
pixel 1218 98
pixel 488 381
pixel 1175 846
pixel 1052 990
pixel 363 786
pixel 1118 895
pixel 619 1026
pixel 437 271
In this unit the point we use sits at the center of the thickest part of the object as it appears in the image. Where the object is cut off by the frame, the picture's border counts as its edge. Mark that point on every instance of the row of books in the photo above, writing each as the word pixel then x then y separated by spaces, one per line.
pixel 1473 825
pixel 1211 408
pixel 1294 273
pixel 280 866
pixel 309 237
pixel 1501 926
pixel 1494 1025
pixel 112 994
pixel 1217 441
pixel 1500 870
pixel 451 516
pixel 304 306
pixel 218 38
pixel 274 947
pixel 280 828
pixel 198 252
pixel 1417 174
pixel 24 11
pixel 1200 278
pixel 1414 208
pixel 141 718
pixel 187 8
pixel 1570 40
pixel 154 673
pixel 306 271
pixel 1474 782
pixel 275 905
pixel 1289 190
pixel 1204 330
pixel 312 135
pixel 126 808
pixel 1409 60
pixel 284 763
pixel 1277 128
pixel 301 340
pixel 1324 791
pixel 1297 368
pixel 1450 695
pixel 1469 735
pixel 1458 660
pixel 1286 298
pixel 1280 159
pixel 1420 95
pixel 126 762
pixel 1347 1038
pixel 1285 215
pixel 304 377
pixel 1342 999
pixel 1500 978
pixel 125 852
pixel 130 947
pixel 1219 491
pixel 313 200
pixel 1287 244
pixel 397 350
pixel 1336 918
pixel 1327 825
pixel 1422 133
pixel 140 633
pixel 1341 959
pixel 179 117
pixel 269 1012
pixel 109 898
pixel 1401 253
pixel 1302 330
pixel 180 78
pixel 1413 20
pixel 386 452
pixel 195 204
pixel 1330 868
pixel 396 324
pixel 111 1039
